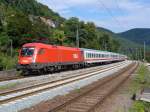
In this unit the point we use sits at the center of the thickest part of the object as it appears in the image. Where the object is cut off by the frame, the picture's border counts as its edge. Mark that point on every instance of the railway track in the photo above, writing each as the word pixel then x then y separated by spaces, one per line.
pixel 37 79
pixel 87 101
pixel 8 75
pixel 20 93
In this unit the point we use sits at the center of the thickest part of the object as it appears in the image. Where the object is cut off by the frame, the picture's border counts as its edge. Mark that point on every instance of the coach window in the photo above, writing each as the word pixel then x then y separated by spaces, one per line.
pixel 88 55
pixel 103 55
pixel 41 51
pixel 99 55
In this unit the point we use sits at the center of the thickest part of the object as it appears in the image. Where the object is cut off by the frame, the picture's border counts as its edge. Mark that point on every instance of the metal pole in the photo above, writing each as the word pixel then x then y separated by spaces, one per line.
pixel 11 47
pixel 77 38
pixel 144 51
pixel 136 53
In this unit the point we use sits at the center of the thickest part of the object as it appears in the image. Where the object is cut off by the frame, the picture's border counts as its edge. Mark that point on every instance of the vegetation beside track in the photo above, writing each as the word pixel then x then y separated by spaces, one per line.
pixel 7 62
pixel 8 86
pixel 140 81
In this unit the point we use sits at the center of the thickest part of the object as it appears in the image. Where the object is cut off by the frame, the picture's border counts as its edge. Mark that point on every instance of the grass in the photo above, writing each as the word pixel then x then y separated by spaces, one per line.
pixel 7 86
pixel 140 106
pixel 78 90
pixel 141 81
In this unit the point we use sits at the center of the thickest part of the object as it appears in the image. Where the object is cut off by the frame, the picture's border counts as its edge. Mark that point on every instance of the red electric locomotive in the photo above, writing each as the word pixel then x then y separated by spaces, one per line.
pixel 39 57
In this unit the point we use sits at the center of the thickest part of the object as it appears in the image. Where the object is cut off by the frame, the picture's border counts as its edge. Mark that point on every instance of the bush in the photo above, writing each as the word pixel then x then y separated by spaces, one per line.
pixel 7 62
pixel 140 106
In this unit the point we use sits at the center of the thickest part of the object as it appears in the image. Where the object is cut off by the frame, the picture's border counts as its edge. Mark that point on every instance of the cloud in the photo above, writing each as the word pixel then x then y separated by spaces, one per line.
pixel 117 15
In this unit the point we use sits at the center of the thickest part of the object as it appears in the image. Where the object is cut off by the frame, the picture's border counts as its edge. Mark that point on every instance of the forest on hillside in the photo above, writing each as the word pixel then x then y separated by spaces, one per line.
pixel 24 21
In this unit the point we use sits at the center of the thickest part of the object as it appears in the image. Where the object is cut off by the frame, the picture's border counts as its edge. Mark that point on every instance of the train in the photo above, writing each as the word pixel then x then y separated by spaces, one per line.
pixel 48 58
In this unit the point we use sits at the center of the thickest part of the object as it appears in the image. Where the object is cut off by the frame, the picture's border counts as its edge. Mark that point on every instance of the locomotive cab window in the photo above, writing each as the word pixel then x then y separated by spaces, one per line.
pixel 27 51
pixel 41 51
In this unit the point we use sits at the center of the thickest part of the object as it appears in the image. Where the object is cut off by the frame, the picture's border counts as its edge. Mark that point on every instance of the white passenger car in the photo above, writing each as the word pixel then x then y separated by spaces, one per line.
pixel 97 56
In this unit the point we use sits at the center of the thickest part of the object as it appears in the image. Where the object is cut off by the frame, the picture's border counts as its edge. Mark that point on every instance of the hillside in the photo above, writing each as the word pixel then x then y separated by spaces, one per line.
pixel 25 21
pixel 125 42
pixel 39 15
pixel 33 7
pixel 138 35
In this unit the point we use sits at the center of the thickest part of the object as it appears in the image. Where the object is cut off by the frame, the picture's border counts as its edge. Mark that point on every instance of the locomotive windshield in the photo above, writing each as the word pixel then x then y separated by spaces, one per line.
pixel 27 51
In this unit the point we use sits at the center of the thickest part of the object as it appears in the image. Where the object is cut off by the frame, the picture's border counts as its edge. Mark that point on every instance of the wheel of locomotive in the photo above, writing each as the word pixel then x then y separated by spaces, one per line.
pixel 45 69
pixel 25 72
pixel 51 69
pixel 59 68
pixel 76 66
pixel 40 72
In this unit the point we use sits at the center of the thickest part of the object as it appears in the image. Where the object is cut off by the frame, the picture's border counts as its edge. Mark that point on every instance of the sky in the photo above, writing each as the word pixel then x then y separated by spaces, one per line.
pixel 116 15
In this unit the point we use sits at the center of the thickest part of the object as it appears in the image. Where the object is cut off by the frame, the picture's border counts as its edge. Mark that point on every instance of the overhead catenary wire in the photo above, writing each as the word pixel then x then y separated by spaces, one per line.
pixel 121 12
pixel 110 13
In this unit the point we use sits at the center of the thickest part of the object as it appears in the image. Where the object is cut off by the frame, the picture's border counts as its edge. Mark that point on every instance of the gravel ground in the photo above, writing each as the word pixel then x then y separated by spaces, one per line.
pixel 44 78
pixel 119 101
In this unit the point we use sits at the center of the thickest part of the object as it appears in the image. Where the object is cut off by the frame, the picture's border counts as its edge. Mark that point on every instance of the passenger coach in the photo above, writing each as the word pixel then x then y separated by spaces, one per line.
pixel 97 56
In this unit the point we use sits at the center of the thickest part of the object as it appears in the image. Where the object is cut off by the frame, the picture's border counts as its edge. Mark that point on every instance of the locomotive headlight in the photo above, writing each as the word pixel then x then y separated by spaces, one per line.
pixel 33 59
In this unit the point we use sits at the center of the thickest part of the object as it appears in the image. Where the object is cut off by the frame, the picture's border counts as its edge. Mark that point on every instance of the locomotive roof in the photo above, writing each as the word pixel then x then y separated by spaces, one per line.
pixel 48 46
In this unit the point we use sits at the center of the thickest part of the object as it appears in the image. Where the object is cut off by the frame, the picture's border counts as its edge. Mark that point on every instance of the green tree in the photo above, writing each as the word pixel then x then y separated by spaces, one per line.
pixel 18 24
pixel 4 41
pixel 59 36
pixel 40 31
pixel 115 45
pixel 105 42
pixel 1 26
pixel 70 28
